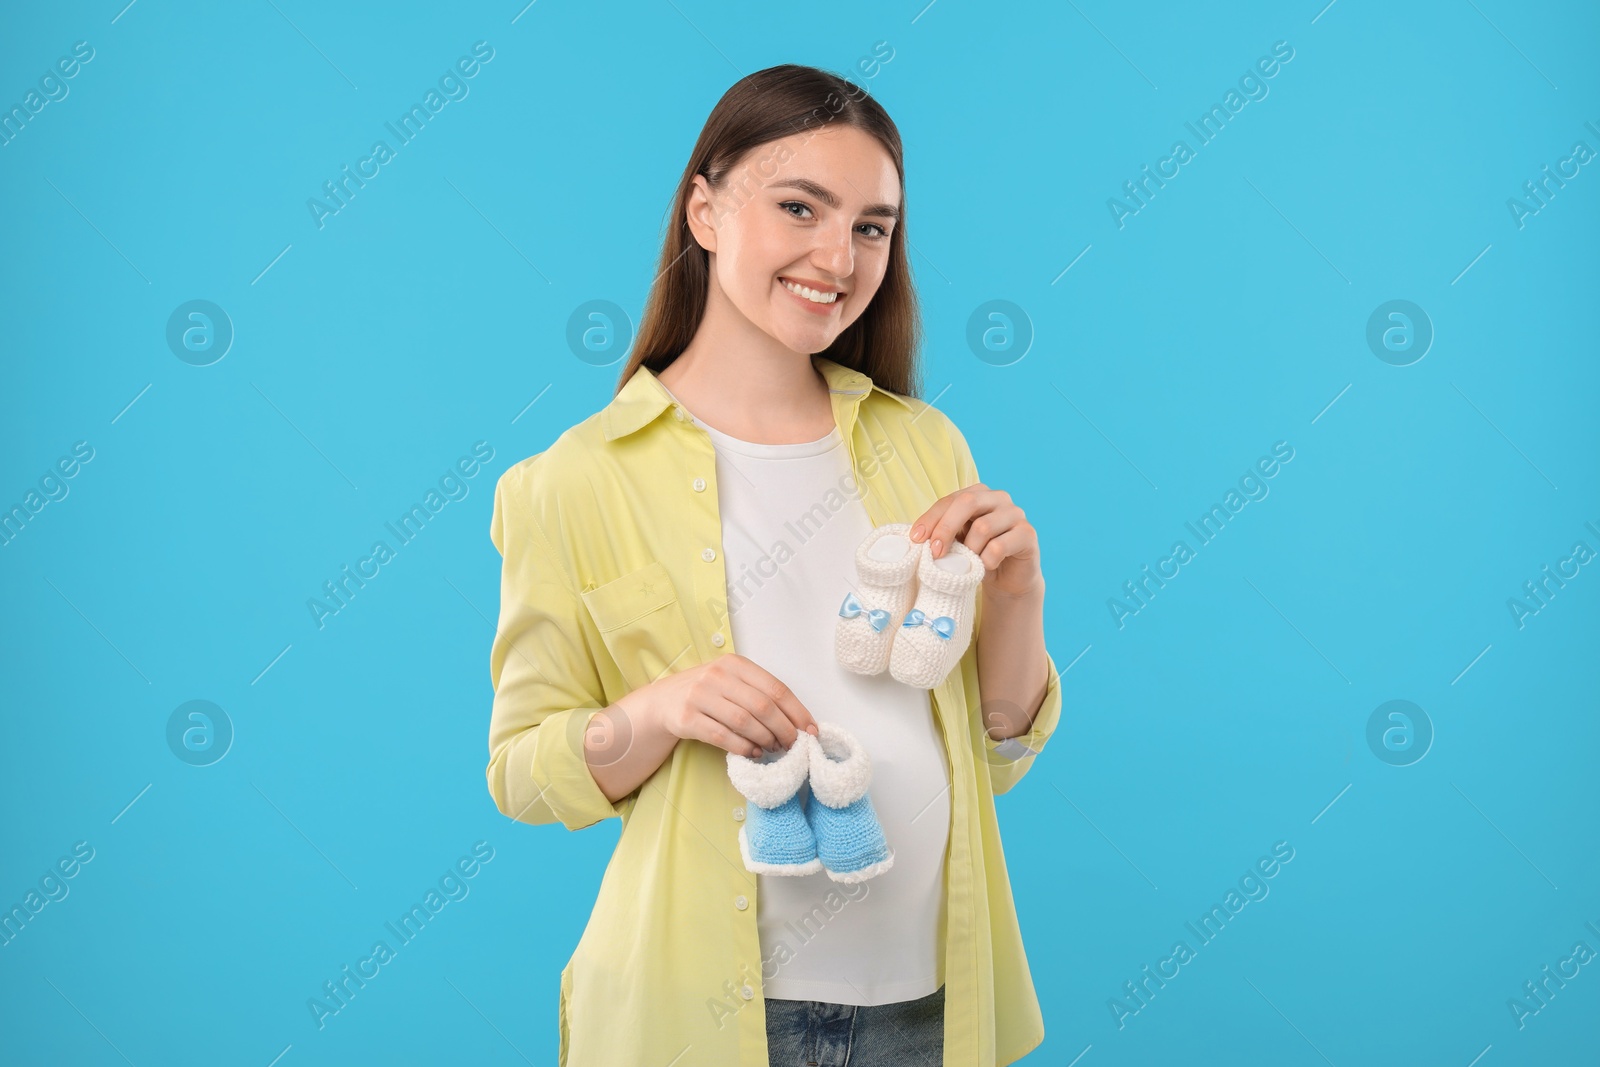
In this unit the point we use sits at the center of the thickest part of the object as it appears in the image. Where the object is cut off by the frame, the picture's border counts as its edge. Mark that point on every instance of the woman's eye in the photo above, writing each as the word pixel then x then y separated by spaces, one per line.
pixel 787 204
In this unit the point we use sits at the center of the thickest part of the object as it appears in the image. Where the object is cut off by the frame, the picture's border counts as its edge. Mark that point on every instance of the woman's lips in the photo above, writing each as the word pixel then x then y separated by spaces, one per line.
pixel 809 305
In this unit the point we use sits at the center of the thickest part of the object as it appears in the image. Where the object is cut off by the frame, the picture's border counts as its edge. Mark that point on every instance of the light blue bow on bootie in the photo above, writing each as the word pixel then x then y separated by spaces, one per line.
pixel 944 625
pixel 877 618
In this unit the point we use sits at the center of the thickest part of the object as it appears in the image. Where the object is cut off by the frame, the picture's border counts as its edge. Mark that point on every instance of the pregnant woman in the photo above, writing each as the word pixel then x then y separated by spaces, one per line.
pixel 673 572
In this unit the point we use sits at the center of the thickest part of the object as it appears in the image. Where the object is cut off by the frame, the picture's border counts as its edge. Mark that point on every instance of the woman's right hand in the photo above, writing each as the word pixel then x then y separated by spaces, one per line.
pixel 733 703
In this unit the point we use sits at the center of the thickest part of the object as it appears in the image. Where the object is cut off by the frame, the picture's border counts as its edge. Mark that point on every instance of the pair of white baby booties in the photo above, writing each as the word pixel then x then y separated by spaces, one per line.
pixel 913 613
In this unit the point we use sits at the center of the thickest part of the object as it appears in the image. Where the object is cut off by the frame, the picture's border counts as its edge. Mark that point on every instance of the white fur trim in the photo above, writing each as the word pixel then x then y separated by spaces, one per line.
pixel 769 784
pixel 810 866
pixel 871 871
pixel 841 770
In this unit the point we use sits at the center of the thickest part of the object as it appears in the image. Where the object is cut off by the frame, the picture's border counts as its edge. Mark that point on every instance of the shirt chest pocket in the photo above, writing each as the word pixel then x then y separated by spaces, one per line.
pixel 642 625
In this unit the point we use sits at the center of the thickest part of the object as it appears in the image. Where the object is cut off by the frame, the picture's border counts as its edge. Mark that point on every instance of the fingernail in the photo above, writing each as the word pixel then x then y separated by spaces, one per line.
pixel 755 753
pixel 936 543
pixel 916 532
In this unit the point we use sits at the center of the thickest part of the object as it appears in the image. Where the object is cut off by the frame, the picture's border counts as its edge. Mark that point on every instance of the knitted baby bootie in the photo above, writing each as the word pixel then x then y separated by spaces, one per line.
pixel 775 837
pixel 849 838
pixel 886 566
pixel 938 628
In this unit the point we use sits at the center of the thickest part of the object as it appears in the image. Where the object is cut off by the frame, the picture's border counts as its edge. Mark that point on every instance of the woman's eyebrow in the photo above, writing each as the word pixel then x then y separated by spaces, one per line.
pixel 806 185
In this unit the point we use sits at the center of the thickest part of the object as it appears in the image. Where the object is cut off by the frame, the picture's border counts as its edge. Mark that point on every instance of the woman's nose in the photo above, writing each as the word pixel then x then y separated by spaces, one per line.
pixel 835 253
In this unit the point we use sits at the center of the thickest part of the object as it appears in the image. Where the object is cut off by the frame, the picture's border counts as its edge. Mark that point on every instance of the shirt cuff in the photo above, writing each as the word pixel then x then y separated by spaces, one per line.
pixel 561 772
pixel 1045 719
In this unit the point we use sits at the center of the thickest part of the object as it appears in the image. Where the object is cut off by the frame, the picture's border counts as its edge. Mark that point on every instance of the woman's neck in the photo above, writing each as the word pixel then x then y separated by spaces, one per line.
pixel 772 398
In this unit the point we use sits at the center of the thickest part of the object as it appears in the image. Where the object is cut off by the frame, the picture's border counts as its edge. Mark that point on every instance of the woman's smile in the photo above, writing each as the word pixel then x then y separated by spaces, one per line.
pixel 818 301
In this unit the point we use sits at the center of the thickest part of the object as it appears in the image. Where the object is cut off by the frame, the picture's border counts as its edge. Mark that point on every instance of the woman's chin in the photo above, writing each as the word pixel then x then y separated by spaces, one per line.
pixel 811 343
pixel 805 337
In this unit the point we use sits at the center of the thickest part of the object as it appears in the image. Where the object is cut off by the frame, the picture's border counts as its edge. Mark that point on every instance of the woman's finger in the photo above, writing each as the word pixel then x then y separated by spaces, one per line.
pixel 769 685
pixel 713 732
pixel 922 526
pixel 762 703
pixel 740 721
pixel 964 506
pixel 988 526
pixel 1015 541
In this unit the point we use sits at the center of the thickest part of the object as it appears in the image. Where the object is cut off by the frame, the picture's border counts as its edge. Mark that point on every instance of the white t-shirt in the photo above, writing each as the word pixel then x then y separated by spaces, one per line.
pixel 792 518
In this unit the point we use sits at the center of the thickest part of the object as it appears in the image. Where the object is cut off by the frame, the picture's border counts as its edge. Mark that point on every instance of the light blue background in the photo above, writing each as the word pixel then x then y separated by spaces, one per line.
pixel 1228 314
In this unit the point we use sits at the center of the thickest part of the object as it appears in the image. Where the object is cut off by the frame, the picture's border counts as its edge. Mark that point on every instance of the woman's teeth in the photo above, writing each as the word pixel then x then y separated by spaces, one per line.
pixel 810 294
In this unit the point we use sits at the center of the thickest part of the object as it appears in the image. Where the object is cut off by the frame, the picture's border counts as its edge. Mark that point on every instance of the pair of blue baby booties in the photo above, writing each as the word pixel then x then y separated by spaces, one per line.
pixel 837 831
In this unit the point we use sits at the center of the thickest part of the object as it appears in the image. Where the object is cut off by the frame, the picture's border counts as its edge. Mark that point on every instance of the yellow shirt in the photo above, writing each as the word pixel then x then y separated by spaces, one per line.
pixel 613 577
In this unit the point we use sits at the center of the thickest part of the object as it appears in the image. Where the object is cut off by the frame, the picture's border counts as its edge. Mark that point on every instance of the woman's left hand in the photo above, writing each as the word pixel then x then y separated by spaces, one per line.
pixel 986 521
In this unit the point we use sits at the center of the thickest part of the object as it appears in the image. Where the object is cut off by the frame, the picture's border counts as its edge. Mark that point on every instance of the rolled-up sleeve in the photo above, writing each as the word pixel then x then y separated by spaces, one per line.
pixel 1012 758
pixel 546 686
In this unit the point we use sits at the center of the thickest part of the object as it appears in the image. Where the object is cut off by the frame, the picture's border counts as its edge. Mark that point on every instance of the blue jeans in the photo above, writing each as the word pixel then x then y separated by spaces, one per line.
pixel 814 1033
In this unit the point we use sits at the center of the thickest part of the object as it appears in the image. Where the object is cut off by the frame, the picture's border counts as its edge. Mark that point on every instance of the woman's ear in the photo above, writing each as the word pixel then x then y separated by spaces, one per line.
pixel 699 212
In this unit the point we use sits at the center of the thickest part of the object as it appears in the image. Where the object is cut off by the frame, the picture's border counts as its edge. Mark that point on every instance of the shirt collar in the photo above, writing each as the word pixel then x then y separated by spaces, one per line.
pixel 643 397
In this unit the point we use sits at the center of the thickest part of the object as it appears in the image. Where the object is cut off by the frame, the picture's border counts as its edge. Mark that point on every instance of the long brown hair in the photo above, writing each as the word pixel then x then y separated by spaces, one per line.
pixel 884 341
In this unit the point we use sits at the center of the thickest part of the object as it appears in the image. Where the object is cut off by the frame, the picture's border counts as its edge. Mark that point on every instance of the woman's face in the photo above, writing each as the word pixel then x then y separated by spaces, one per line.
pixel 813 210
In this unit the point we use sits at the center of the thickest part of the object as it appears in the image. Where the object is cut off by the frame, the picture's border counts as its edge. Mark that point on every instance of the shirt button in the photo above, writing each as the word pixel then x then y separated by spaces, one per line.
pixel 717 639
pixel 747 993
pixel 738 815
pixel 741 903
pixel 699 485
pixel 677 413
pixel 708 554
